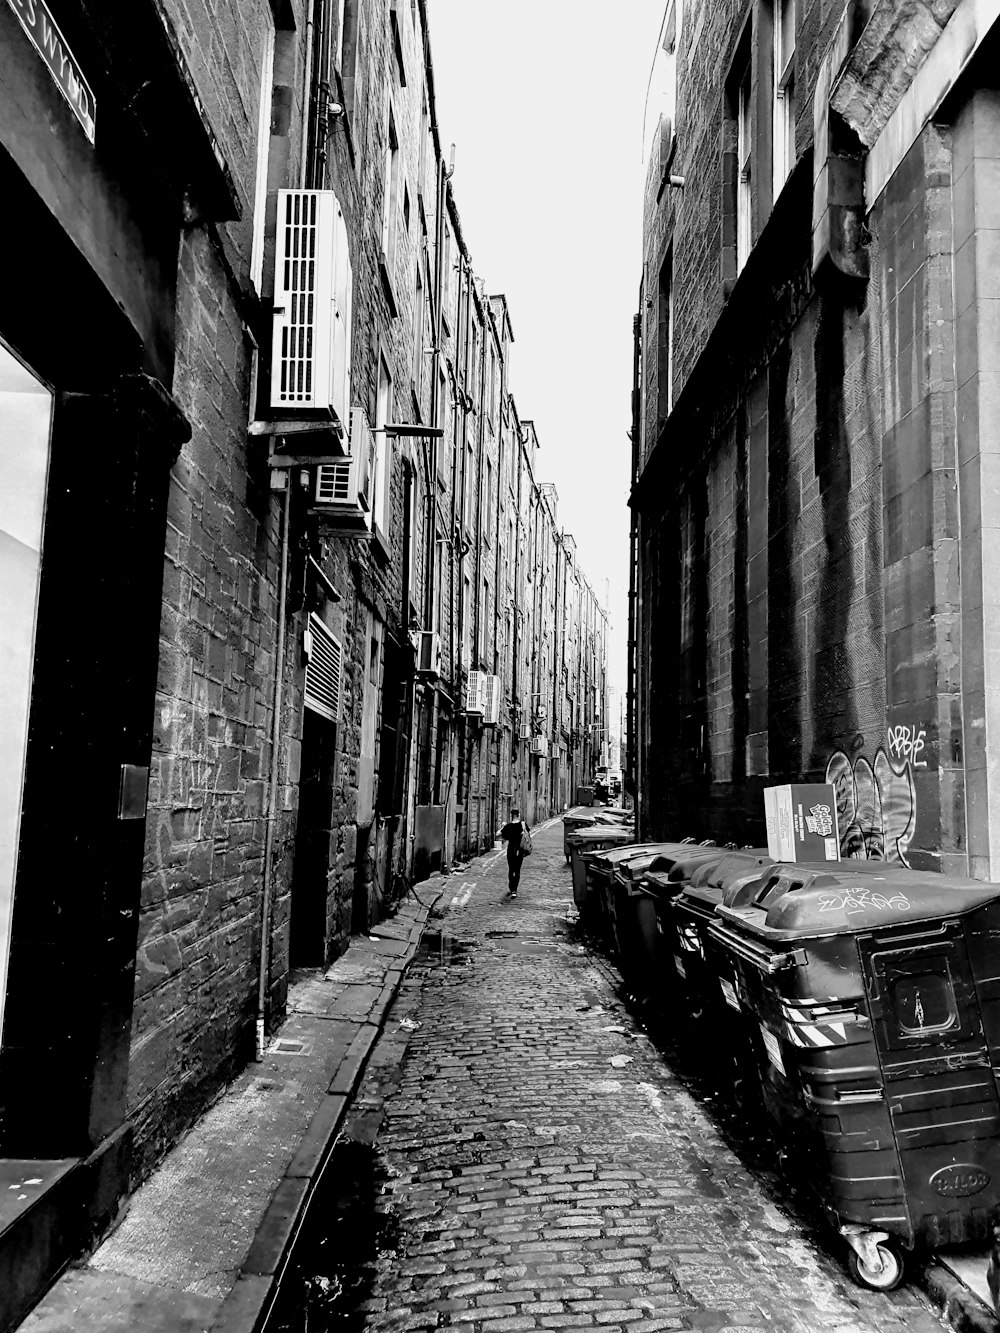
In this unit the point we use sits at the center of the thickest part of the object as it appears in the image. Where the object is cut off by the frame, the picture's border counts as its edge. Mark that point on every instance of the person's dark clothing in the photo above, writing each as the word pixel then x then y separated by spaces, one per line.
pixel 511 834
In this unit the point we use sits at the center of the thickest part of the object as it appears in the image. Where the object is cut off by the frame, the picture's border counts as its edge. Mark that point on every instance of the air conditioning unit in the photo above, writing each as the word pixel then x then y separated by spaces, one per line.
pixel 344 488
pixel 475 693
pixel 428 645
pixel 524 733
pixel 491 701
pixel 540 745
pixel 311 341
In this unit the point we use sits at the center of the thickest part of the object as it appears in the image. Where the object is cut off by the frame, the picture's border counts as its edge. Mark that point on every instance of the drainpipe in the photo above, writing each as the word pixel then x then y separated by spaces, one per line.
pixel 272 786
pixel 631 700
pixel 284 519
pixel 321 102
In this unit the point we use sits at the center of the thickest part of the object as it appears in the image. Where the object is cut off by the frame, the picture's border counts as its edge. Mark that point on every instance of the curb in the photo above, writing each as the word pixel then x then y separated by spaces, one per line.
pixel 247 1306
pixel 962 1308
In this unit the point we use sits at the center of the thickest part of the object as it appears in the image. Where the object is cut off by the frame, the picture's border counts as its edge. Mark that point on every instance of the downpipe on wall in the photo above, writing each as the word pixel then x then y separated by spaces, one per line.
pixel 272 786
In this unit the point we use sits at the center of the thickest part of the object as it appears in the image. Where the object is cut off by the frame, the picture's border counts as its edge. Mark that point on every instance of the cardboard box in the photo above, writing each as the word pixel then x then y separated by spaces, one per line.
pixel 802 822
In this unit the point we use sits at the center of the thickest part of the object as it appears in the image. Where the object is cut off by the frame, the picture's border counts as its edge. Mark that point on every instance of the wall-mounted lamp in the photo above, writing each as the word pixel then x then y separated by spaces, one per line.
pixel 409 429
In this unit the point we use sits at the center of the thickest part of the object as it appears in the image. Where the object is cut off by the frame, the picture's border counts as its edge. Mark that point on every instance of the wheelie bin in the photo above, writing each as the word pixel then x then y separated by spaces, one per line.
pixel 601 878
pixel 635 922
pixel 577 819
pixel 582 843
pixel 876 1005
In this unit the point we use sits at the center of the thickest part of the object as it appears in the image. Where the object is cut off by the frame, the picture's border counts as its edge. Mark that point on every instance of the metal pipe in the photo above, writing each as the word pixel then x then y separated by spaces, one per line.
pixel 306 102
pixel 272 786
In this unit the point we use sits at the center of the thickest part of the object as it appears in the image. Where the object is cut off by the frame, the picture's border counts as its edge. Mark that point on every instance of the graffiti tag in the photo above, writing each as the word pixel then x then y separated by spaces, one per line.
pixel 861 900
pixel 876 806
pixel 906 744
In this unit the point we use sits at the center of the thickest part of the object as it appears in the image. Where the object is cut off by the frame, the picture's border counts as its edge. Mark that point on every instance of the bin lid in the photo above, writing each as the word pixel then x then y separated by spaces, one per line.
pixel 599 833
pixel 849 903
pixel 732 865
pixel 610 860
pixel 636 866
pixel 681 862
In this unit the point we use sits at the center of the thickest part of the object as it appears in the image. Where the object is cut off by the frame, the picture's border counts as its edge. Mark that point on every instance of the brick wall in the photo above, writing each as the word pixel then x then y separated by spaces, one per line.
pixel 807 517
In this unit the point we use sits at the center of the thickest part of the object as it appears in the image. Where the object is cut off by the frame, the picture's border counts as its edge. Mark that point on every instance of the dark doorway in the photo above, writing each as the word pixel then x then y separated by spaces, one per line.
pixel 308 926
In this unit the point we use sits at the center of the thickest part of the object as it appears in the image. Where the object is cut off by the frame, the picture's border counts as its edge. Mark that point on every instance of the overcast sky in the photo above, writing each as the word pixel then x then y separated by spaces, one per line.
pixel 544 100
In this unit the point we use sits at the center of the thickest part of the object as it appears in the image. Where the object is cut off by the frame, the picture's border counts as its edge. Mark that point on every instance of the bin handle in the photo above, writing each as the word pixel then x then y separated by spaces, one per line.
pixel 759 956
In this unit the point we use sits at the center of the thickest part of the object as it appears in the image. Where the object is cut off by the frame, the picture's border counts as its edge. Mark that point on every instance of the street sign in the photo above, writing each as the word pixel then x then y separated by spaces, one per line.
pixel 48 41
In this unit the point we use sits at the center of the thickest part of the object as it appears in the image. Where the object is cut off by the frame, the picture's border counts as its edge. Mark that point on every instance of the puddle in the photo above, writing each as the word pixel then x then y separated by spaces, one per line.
pixel 438 947
pixel 333 1265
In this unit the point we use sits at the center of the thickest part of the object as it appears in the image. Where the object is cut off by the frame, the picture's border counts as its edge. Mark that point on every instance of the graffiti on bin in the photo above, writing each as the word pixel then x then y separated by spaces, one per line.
pixel 876 805
pixel 863 900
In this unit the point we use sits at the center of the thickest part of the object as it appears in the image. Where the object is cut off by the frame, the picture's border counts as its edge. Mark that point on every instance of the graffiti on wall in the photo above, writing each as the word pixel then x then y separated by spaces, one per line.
pixel 877 800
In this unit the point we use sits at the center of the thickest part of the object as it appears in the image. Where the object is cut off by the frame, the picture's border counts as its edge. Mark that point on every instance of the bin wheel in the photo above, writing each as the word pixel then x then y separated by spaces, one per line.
pixel 892 1268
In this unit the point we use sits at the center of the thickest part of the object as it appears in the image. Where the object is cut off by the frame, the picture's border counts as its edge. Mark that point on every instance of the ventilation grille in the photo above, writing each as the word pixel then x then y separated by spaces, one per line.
pixel 299 236
pixel 323 669
pixel 335 483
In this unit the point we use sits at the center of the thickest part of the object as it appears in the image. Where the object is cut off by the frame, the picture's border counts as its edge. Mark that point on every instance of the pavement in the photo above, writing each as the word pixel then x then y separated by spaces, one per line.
pixel 205 1235
pixel 464 1122
pixel 539 1165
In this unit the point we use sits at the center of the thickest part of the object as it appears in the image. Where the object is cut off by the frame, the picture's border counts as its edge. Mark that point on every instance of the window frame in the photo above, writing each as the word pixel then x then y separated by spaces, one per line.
pixel 783 130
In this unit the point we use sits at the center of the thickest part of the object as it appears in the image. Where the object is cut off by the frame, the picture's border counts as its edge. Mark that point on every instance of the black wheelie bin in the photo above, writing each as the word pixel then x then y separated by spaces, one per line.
pixel 876 1002
pixel 631 920
pixel 698 992
pixel 601 879
pixel 638 929
pixel 582 843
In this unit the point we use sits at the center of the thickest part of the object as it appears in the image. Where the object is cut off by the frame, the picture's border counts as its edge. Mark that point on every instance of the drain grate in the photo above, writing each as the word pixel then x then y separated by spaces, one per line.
pixel 287 1046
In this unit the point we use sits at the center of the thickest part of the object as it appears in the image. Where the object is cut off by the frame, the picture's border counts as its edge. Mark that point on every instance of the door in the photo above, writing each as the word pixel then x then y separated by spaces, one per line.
pixel 939 1086
pixel 25 421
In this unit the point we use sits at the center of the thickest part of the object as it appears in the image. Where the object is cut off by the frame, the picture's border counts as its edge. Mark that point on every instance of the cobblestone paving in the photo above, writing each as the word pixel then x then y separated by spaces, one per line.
pixel 545 1167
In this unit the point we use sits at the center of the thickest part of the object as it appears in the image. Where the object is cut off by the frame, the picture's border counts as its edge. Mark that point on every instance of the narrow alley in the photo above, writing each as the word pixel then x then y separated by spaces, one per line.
pixel 520 1155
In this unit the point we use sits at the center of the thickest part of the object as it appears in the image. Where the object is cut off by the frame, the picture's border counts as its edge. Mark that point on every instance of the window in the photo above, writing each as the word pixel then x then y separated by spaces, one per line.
pixel 390 194
pixel 924 1003
pixel 491 387
pixel 347 54
pixel 744 168
pixel 665 339
pixel 661 98
pixel 484 618
pixel 470 486
pixel 467 619
pixel 422 147
pixel 417 368
pixel 784 92
pixel 444 415
pixel 382 469
pixel 263 147
pixel 488 515
pixel 446 279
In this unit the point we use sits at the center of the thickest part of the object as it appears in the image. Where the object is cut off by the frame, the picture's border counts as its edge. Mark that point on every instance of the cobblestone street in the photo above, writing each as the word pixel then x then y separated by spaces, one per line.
pixel 536 1164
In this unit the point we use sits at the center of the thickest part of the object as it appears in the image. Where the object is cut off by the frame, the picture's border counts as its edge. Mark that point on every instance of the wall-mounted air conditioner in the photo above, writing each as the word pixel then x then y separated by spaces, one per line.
pixel 475 693
pixel 524 733
pixel 428 645
pixel 311 341
pixel 540 745
pixel 343 489
pixel 491 701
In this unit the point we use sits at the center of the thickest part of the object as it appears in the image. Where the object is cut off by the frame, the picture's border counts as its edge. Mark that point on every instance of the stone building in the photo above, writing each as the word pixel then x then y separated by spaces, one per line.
pixel 262 525
pixel 815 378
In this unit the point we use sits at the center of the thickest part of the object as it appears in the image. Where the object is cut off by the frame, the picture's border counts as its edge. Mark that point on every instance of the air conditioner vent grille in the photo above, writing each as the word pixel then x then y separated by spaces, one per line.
pixel 299 272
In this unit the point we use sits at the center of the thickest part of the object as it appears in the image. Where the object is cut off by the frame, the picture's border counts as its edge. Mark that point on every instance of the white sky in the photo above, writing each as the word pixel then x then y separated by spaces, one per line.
pixel 544 100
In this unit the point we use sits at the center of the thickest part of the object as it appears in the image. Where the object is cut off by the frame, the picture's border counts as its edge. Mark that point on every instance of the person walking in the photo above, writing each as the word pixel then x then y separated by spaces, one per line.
pixel 518 839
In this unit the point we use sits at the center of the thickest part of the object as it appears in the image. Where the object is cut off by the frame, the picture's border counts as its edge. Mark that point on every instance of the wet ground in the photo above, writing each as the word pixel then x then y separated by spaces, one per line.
pixel 528 1152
